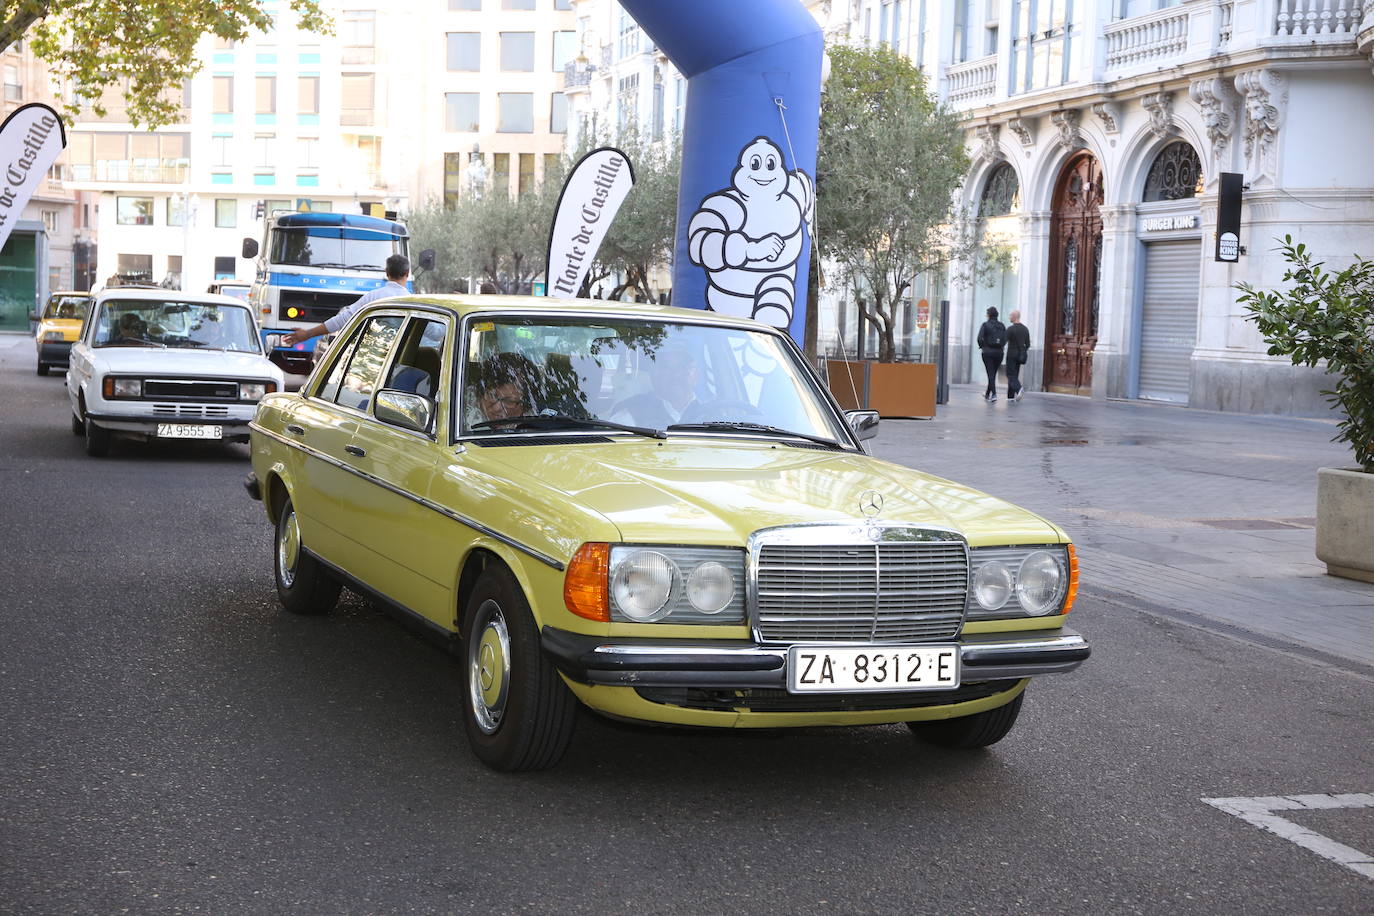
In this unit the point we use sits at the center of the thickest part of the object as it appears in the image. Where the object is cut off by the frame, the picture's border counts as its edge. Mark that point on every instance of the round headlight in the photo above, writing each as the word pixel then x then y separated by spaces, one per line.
pixel 992 585
pixel 1040 583
pixel 641 585
pixel 710 587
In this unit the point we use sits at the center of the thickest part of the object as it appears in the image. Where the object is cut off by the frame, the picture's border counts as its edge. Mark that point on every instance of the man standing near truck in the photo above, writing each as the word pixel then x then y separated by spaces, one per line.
pixel 397 272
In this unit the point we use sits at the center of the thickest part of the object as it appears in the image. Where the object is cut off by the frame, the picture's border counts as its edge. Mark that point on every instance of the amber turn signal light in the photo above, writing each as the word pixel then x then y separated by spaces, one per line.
pixel 585 584
pixel 1073 580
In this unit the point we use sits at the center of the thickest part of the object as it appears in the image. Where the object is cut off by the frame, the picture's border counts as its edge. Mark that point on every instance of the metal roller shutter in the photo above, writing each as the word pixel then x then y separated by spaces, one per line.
pixel 1168 326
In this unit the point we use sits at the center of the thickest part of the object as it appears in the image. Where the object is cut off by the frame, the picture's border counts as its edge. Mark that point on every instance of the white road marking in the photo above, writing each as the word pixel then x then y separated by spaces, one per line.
pixel 1259 810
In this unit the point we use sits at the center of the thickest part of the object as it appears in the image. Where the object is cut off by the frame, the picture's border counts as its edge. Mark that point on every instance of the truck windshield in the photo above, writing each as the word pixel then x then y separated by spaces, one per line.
pixel 332 246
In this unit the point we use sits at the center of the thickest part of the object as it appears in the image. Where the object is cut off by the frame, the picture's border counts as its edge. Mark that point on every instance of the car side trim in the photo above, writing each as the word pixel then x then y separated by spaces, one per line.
pixel 418 500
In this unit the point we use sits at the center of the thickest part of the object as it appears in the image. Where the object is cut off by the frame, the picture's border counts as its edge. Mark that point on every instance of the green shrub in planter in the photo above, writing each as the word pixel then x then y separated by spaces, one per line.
pixel 1325 316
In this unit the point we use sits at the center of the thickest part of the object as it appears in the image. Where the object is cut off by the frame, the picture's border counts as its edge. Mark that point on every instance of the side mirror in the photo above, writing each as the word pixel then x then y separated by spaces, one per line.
pixel 863 422
pixel 250 248
pixel 34 316
pixel 427 259
pixel 403 409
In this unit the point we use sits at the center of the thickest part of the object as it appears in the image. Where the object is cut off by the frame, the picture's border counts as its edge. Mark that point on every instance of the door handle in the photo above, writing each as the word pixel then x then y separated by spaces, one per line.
pixel 355 451
pixel 1060 352
pixel 294 429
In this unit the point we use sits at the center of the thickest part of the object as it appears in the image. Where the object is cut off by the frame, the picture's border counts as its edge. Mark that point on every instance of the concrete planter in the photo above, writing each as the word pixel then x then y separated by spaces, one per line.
pixel 1345 522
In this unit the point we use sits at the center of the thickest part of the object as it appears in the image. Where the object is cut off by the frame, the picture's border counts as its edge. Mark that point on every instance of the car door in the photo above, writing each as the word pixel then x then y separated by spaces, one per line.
pixel 408 563
pixel 330 493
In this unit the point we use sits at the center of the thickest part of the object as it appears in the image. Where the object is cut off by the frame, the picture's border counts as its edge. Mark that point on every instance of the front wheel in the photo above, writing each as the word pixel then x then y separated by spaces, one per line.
pixel 97 439
pixel 42 368
pixel 518 713
pixel 303 584
pixel 78 426
pixel 978 730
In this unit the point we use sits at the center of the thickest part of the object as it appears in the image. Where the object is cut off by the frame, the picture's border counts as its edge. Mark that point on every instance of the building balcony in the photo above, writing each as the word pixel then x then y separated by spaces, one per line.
pixel 123 171
pixel 577 76
pixel 972 83
pixel 1192 36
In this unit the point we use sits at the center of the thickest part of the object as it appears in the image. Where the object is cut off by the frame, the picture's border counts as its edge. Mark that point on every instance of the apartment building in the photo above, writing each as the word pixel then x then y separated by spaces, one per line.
pixel 40 254
pixel 1098 133
pixel 490 107
pixel 282 120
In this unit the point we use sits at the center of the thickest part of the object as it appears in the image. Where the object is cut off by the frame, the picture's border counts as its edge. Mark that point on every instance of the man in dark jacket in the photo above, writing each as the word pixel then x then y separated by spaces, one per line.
pixel 992 337
pixel 1018 350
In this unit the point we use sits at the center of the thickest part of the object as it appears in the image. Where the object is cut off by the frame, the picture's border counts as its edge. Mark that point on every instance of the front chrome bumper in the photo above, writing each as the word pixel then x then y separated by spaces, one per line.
pixel 740 664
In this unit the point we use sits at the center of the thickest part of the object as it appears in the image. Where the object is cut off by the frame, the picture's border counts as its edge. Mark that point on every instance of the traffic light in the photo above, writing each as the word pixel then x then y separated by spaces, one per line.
pixel 258 210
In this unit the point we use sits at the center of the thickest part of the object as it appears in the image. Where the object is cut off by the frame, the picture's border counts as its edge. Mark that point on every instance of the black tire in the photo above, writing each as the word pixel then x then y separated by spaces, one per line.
pixel 78 426
pixel 978 730
pixel 303 584
pixel 42 368
pixel 97 439
pixel 518 713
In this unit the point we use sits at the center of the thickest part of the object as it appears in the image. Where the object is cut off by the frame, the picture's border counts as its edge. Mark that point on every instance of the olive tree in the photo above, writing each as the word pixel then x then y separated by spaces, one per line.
pixel 889 162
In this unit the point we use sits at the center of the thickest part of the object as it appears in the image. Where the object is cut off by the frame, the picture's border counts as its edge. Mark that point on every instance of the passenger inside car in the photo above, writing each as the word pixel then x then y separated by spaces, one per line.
pixel 674 377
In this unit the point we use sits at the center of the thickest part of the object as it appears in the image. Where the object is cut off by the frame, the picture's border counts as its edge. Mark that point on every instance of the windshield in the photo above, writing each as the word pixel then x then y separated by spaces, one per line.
pixel 334 246
pixel 238 292
pixel 73 307
pixel 169 323
pixel 649 374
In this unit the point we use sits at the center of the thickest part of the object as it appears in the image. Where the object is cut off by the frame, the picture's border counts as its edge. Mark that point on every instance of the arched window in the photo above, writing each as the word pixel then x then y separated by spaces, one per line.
pixel 1001 194
pixel 1175 174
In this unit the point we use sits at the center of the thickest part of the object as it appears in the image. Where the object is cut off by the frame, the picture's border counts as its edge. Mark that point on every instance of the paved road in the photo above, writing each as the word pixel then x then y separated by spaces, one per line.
pixel 173 743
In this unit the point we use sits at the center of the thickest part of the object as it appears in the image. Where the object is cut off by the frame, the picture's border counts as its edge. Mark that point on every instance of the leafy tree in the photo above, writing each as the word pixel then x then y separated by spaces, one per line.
pixel 888 164
pixel 143 49
pixel 642 234
pixel 504 241
pixel 1325 316
pixel 488 235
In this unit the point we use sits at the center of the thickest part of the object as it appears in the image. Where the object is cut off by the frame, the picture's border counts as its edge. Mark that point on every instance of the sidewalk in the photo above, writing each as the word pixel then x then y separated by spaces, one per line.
pixel 1201 516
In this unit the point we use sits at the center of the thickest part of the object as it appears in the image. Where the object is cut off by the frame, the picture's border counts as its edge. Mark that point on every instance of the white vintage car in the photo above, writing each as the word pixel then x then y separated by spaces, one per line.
pixel 166 364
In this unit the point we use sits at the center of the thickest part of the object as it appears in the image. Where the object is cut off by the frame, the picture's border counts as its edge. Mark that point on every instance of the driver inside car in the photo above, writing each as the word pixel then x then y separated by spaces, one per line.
pixel 498 387
pixel 130 327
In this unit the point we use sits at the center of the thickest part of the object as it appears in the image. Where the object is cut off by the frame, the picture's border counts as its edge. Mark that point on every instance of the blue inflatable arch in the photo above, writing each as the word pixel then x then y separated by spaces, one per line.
pixel 747 196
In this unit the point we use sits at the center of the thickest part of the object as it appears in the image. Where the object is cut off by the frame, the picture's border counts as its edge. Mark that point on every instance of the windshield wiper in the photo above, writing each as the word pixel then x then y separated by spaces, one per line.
pixel 553 419
pixel 326 264
pixel 362 267
pixel 744 426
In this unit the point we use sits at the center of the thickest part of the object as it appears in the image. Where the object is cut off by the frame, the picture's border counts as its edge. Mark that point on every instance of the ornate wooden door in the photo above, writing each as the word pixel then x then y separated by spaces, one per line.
pixel 1075 265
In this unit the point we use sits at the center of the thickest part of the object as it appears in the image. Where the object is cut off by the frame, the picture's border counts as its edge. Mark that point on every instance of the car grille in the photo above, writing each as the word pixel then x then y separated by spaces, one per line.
pixel 883 585
pixel 190 411
pixel 191 389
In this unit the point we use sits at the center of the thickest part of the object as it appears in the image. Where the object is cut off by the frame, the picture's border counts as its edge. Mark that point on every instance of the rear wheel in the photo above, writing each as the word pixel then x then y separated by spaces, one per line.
pixel 977 730
pixel 518 712
pixel 42 368
pixel 303 584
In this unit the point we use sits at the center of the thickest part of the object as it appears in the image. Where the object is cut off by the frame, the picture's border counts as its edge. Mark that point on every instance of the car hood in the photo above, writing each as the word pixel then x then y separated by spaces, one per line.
pixel 724 490
pixel 185 362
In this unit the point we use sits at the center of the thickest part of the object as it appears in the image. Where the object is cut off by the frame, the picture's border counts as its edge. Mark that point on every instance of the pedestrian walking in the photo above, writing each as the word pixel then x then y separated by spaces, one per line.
pixel 1018 351
pixel 992 338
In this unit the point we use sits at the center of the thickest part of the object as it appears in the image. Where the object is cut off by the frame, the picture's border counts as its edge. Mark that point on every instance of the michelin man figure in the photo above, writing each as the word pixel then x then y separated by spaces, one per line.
pixel 748 236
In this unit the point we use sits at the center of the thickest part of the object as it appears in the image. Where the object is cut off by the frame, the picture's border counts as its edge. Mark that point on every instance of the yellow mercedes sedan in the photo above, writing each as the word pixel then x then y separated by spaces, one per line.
pixel 658 514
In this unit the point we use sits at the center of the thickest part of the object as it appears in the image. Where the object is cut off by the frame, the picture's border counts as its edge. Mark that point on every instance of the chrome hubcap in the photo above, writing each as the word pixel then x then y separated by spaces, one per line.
pixel 288 549
pixel 489 667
